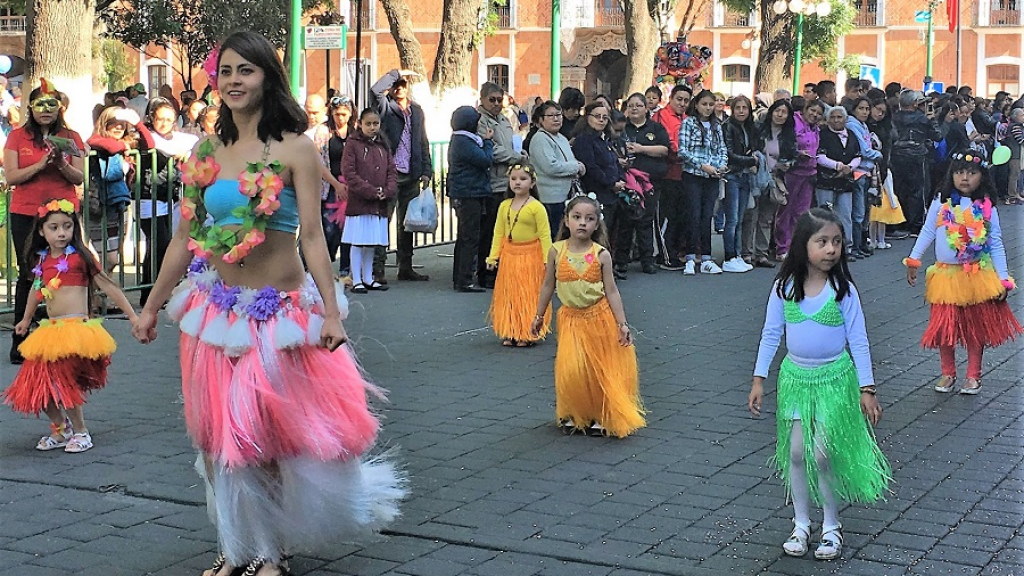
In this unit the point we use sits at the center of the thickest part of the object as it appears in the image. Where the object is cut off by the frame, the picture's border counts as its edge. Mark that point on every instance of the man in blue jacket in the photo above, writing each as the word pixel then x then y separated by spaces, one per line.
pixel 402 123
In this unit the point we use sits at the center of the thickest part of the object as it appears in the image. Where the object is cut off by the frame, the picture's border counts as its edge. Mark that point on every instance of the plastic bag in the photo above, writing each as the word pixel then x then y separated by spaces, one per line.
pixel 421 215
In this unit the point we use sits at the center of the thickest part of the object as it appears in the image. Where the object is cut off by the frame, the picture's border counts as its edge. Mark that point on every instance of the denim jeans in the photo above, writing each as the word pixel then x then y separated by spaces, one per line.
pixel 556 213
pixel 858 205
pixel 700 194
pixel 737 194
pixel 842 205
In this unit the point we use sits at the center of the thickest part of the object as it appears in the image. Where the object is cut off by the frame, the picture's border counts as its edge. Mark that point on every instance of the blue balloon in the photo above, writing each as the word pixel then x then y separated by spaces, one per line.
pixel 5 64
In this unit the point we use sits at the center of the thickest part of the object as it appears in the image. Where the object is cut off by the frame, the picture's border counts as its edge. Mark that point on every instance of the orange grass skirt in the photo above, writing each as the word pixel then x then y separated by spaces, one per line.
pixel 596 378
pixel 966 309
pixel 517 290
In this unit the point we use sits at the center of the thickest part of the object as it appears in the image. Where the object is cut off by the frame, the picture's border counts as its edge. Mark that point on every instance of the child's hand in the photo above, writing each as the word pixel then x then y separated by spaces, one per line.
pixel 332 335
pixel 756 394
pixel 625 335
pixel 911 275
pixel 21 328
pixel 144 327
pixel 492 266
pixel 870 407
pixel 535 326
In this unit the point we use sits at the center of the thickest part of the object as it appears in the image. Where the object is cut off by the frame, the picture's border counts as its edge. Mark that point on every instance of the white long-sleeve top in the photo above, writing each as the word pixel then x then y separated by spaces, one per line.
pixel 947 255
pixel 811 344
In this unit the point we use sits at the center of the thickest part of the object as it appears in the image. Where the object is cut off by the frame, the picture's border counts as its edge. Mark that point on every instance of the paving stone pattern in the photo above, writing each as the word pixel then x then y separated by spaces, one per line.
pixel 498 491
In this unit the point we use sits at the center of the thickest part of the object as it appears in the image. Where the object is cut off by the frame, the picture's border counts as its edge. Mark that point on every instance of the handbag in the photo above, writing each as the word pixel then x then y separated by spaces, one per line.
pixel 777 190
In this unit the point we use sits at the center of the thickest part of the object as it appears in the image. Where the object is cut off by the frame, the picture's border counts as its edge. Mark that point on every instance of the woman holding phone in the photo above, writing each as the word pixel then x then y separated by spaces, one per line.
pixel 800 178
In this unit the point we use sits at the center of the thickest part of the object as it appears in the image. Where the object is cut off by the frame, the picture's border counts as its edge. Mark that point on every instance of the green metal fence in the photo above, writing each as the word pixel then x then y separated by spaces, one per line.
pixel 130 254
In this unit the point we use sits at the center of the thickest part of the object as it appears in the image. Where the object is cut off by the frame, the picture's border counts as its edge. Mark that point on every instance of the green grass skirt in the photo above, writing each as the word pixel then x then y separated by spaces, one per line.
pixel 827 399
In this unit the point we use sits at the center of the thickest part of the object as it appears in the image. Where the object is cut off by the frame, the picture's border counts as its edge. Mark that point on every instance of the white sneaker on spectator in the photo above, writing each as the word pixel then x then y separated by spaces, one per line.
pixel 734 265
pixel 690 268
pixel 709 267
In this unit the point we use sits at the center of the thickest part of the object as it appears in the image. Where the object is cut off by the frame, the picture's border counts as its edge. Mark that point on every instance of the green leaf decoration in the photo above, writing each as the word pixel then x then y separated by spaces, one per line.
pixel 205 149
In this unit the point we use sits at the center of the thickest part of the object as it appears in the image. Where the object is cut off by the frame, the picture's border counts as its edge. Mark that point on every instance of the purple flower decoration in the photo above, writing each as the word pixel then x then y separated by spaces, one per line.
pixel 38 270
pixel 265 304
pixel 62 265
pixel 197 266
pixel 224 297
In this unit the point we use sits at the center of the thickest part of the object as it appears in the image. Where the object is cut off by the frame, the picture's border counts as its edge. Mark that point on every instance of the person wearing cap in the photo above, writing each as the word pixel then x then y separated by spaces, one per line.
pixel 914 134
pixel 137 99
pixel 403 125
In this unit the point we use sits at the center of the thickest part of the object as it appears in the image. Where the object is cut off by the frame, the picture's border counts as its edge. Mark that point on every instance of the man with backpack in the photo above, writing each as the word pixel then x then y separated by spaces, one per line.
pixel 912 152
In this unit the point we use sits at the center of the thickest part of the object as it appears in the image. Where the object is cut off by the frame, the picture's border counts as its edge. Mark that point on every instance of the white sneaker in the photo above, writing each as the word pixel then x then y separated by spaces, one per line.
pixel 690 268
pixel 709 267
pixel 735 265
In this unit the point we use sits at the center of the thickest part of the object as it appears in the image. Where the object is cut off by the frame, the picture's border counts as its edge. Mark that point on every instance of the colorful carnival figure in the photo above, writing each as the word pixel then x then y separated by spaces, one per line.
pixel 278 412
pixel 66 358
pixel 825 448
pixel 596 380
pixel 968 284
pixel 522 237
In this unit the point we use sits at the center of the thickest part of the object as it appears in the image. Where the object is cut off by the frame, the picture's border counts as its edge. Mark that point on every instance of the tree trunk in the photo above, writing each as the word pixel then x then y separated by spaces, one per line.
pixel 400 22
pixel 775 58
pixel 58 46
pixel 456 47
pixel 642 41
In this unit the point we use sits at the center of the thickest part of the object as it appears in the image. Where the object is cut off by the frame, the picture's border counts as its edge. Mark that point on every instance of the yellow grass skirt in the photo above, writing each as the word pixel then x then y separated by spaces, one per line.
pixel 952 284
pixel 887 213
pixel 596 378
pixel 516 291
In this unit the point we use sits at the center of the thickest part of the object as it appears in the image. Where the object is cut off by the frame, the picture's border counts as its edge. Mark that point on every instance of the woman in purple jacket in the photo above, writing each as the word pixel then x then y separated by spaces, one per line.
pixel 800 178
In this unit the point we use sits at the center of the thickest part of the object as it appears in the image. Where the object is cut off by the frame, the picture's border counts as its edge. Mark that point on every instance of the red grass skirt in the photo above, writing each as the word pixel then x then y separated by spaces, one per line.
pixel 517 290
pixel 65 359
pixel 966 308
pixel 258 389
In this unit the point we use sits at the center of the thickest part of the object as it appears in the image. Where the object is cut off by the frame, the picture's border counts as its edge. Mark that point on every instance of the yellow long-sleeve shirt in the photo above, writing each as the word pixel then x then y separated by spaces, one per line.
pixel 526 224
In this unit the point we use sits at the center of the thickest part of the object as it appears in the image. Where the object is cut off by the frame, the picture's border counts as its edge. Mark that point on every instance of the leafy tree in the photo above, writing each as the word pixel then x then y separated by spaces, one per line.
pixel 194 27
pixel 116 68
pixel 778 33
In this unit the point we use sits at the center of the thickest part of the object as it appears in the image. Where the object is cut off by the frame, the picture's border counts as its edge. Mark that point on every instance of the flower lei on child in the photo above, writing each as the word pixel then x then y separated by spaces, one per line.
pixel 260 181
pixel 46 292
pixel 967 231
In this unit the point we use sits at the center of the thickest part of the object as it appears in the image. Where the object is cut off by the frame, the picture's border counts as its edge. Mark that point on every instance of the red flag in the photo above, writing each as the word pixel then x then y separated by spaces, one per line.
pixel 953 12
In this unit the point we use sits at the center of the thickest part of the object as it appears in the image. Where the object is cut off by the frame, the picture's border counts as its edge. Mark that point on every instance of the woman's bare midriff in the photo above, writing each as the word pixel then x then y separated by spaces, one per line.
pixel 274 263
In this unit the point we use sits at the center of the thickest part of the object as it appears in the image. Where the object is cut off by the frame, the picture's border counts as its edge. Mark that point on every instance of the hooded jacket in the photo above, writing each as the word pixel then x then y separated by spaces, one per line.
pixel 469 157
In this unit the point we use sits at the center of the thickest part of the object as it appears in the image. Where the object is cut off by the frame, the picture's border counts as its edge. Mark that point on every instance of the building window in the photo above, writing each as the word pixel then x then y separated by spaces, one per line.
pixel 503 11
pixel 1004 13
pixel 867 12
pixel 1003 77
pixel 157 78
pixel 498 74
pixel 736 73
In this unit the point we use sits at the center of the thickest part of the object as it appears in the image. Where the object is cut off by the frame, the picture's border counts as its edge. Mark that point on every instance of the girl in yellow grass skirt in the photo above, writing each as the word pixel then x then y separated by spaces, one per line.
pixel 596 380
pixel 888 212
pixel 968 284
pixel 68 355
pixel 522 236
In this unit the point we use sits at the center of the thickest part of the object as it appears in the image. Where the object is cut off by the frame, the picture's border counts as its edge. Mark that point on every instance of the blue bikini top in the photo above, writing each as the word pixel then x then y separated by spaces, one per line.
pixel 223 196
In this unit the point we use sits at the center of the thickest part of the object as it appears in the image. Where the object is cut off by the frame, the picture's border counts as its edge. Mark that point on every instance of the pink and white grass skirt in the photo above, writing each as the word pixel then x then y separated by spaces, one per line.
pixel 283 424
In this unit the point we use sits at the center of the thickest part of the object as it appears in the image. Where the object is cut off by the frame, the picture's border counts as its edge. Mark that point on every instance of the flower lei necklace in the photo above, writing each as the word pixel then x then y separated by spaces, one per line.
pixel 967 231
pixel 46 292
pixel 260 181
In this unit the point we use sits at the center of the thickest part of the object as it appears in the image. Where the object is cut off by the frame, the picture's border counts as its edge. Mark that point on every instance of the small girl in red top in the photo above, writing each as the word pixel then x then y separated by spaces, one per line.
pixel 68 355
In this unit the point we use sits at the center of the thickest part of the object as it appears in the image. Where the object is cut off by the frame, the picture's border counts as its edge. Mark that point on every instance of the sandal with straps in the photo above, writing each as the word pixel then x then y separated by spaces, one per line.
pixel 59 438
pixel 945 383
pixel 258 563
pixel 796 544
pixel 831 545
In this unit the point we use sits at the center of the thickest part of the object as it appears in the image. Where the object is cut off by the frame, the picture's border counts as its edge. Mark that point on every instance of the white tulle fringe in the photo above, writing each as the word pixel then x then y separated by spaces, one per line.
pixel 303 505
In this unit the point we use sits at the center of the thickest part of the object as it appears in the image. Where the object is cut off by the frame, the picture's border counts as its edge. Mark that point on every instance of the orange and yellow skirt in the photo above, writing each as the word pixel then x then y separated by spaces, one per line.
pixel 516 291
pixel 967 308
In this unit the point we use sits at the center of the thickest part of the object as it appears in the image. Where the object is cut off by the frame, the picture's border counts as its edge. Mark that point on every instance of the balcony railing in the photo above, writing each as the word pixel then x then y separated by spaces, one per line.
pixel 867 13
pixel 721 16
pixel 1006 17
pixel 608 14
pixel 12 25
pixel 504 14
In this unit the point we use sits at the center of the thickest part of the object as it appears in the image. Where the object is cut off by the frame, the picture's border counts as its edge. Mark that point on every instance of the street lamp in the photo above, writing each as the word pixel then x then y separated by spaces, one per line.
pixel 801 8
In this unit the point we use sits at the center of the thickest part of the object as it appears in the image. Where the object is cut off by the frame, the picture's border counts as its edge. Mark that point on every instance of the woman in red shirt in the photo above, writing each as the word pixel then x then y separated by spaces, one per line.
pixel 43 161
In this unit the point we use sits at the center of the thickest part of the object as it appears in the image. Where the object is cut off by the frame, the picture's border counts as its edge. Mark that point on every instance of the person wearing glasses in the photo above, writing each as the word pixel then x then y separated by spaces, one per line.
pixel 506 152
pixel 604 176
pixel 553 159
pixel 402 122
pixel 40 168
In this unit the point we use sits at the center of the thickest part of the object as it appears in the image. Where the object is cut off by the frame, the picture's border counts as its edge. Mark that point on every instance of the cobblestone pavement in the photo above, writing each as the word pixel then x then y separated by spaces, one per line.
pixel 497 491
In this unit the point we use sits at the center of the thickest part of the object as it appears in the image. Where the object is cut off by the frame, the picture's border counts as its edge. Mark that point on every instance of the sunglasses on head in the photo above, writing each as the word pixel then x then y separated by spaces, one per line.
pixel 46 104
pixel 339 100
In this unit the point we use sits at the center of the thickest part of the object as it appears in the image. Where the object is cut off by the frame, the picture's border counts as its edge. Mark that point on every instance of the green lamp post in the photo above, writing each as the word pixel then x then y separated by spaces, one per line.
pixel 801 8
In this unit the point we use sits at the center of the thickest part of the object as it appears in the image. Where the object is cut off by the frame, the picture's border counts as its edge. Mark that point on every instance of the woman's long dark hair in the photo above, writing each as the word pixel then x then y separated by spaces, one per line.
pixel 853 106
pixel 748 124
pixel 788 127
pixel 691 112
pixel 600 235
pixel 34 127
pixel 789 282
pixel 281 113
pixel 342 102
pixel 37 243
pixel 987 187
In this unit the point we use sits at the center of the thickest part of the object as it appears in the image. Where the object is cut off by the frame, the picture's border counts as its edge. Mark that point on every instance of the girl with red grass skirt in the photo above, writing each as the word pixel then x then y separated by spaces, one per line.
pixel 67 356
pixel 968 284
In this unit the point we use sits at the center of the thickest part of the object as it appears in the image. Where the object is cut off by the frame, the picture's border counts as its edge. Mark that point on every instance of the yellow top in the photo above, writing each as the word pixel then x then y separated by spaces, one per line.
pixel 524 225
pixel 579 279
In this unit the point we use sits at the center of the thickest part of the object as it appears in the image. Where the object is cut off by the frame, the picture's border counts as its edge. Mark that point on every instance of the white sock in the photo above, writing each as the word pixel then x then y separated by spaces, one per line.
pixel 798 479
pixel 367 263
pixel 356 264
